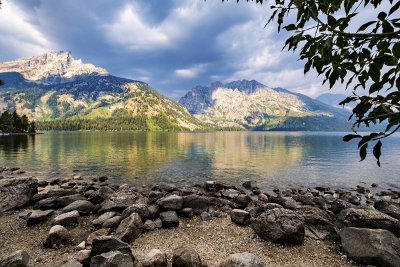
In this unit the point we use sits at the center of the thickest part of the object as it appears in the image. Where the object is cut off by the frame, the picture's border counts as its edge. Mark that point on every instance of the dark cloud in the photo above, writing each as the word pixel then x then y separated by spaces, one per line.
pixel 171 44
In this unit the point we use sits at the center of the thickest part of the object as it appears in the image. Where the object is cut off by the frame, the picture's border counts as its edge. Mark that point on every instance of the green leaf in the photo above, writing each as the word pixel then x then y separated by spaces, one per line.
pixel 349 137
pixel 363 151
pixel 290 27
pixel 394 8
pixel 375 73
pixel 396 49
pixel 375 87
pixel 377 152
pixel 365 26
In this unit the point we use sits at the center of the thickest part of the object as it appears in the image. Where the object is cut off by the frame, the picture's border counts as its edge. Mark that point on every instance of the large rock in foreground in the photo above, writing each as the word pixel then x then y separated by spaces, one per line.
pixel 368 218
pixel 371 246
pixel 242 260
pixel 280 226
pixel 19 258
pixel 183 257
pixel 130 228
pixel 15 193
pixel 112 258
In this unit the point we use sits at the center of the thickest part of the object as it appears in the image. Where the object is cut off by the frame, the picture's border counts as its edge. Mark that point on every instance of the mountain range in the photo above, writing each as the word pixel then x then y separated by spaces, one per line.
pixel 255 106
pixel 62 93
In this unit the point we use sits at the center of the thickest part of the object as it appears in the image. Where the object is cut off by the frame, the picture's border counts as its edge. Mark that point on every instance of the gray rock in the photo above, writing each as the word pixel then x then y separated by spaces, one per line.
pixel 122 199
pixel 46 203
pixel 111 259
pixel 83 256
pixel 16 192
pixel 67 219
pixel 244 259
pixel 153 212
pixel 368 218
pixel 186 212
pixel 38 216
pixel 130 228
pixel 103 244
pixel 149 225
pixel 82 206
pixel 155 258
pixel 197 203
pixel 64 201
pixel 339 204
pixel 57 235
pixel 169 219
pixel 139 208
pixel 240 217
pixel 205 216
pixel 314 215
pixel 172 202
pixel 371 246
pixel 389 208
pixel 102 218
pixel 113 222
pixel 19 258
pixel 183 257
pixel 280 226
pixel 241 201
pixel 230 193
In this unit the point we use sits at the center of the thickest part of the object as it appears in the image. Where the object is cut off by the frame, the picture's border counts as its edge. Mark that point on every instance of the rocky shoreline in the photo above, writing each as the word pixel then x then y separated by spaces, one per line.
pixel 97 223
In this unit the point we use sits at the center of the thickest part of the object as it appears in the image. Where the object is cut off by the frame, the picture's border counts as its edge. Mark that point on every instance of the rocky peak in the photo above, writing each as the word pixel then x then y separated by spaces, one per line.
pixel 56 65
pixel 245 85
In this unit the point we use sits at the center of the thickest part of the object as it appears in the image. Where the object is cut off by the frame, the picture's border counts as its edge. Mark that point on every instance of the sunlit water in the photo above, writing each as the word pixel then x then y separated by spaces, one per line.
pixel 273 159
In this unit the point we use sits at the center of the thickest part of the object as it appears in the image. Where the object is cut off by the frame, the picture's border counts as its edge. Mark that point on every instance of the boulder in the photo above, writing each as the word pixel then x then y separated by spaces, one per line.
pixel 83 256
pixel 314 215
pixel 16 192
pixel 240 201
pixel 197 203
pixel 102 218
pixel 130 228
pixel 280 226
pixel 389 208
pixel 67 219
pixel 103 244
pixel 244 259
pixel 339 204
pixel 46 203
pixel 139 208
pixel 371 246
pixel 64 201
pixel 155 258
pixel 183 257
pixel 122 199
pixel 57 235
pixel 112 258
pixel 113 222
pixel 169 219
pixel 172 202
pixel 152 212
pixel 82 206
pixel 240 217
pixel 368 218
pixel 19 258
pixel 38 216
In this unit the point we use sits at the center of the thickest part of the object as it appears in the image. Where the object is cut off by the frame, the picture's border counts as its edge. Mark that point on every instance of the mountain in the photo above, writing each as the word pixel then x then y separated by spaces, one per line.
pixel 334 100
pixel 252 105
pixel 62 93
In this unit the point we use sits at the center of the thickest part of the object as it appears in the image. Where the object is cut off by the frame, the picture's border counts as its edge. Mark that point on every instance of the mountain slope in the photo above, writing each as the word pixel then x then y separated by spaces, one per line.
pixel 334 100
pixel 252 105
pixel 64 94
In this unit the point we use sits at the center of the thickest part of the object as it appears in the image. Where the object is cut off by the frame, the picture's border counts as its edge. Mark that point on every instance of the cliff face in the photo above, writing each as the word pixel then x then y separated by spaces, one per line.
pixel 252 105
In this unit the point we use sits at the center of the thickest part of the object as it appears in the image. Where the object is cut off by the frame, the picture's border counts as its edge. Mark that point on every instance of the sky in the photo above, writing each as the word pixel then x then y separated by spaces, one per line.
pixel 173 45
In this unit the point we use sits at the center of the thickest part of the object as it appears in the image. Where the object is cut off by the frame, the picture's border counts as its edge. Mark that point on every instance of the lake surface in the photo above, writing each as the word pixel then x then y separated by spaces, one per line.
pixel 273 159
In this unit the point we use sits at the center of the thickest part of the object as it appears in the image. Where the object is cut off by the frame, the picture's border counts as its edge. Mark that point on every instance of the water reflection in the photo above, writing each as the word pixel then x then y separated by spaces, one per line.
pixel 272 158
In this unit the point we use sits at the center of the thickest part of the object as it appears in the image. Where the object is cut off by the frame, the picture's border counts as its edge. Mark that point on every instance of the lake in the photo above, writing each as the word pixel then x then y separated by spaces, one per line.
pixel 273 159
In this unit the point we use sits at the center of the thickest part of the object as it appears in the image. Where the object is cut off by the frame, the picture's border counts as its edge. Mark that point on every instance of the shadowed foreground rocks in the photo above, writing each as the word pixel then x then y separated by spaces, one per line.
pixel 366 226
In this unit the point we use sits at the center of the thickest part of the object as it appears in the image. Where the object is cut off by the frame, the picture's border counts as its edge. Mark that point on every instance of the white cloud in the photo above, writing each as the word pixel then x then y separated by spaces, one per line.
pixel 191 72
pixel 21 37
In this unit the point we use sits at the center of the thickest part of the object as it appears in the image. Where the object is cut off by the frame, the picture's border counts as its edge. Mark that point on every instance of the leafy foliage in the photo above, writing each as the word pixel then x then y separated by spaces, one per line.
pixel 365 60
pixel 14 123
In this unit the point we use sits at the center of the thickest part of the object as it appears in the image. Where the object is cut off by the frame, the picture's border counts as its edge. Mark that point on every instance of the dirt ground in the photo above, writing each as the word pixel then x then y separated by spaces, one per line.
pixel 213 240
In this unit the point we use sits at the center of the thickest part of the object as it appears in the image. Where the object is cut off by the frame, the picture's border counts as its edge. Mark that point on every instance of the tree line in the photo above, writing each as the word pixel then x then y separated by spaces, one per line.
pixel 12 122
